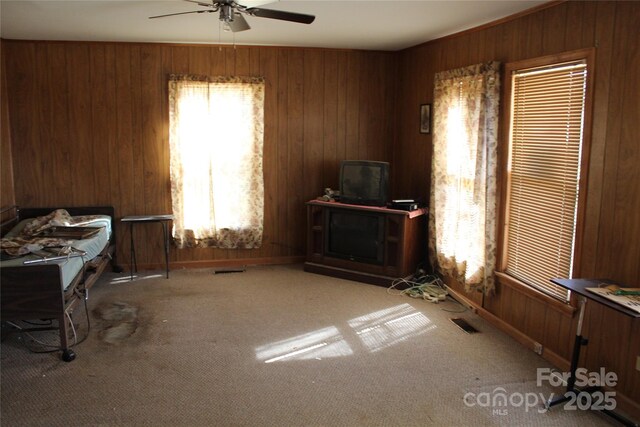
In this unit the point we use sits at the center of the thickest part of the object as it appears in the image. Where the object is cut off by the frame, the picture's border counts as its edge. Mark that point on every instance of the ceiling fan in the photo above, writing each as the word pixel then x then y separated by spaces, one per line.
pixel 231 14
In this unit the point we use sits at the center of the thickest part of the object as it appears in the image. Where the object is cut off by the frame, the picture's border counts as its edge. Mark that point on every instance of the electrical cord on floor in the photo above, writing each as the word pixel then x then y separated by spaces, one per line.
pixel 48 322
pixel 54 348
pixel 424 286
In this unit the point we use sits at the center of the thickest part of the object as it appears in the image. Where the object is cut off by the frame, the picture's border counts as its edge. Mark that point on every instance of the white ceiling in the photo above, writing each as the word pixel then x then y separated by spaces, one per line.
pixel 357 24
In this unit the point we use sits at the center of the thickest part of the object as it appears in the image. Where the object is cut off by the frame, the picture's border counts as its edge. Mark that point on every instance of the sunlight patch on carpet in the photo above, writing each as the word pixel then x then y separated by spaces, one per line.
pixel 385 328
pixel 136 278
pixel 376 330
pixel 319 344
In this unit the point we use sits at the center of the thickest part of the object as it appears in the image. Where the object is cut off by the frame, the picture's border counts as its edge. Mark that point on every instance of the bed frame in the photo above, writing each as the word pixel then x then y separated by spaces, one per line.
pixel 36 291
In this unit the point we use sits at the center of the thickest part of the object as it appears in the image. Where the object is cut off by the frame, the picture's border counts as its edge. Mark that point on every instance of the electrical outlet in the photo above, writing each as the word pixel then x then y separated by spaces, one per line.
pixel 638 363
pixel 537 347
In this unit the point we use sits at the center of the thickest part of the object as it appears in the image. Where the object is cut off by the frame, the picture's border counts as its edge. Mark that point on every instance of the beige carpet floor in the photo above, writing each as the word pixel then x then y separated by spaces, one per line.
pixel 273 346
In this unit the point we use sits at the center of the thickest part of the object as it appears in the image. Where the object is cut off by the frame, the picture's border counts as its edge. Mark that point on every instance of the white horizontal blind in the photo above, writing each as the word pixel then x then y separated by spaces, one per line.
pixel 546 137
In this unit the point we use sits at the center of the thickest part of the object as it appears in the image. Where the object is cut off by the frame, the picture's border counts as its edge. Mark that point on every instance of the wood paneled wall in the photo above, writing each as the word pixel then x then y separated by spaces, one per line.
pixel 611 240
pixel 7 196
pixel 90 126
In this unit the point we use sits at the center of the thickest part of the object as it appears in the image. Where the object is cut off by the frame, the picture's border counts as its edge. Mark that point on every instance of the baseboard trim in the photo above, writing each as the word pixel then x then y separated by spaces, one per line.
pixel 343 273
pixel 221 263
pixel 625 405
pixel 550 356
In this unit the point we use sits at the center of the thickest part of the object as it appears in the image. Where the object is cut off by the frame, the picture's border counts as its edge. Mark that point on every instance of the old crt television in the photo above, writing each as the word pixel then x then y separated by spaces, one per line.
pixel 364 182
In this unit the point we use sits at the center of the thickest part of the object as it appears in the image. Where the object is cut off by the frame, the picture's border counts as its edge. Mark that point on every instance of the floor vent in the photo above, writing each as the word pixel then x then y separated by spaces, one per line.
pixel 464 325
pixel 229 270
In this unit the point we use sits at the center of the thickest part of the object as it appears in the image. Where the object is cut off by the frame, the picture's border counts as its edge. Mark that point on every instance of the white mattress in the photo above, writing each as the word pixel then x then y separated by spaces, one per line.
pixel 69 267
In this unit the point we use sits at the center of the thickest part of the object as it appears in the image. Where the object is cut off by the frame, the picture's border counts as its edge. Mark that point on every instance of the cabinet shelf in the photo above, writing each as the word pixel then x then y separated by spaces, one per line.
pixel 403 242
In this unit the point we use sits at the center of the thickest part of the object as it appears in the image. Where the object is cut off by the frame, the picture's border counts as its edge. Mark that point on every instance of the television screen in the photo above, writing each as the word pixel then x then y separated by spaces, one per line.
pixel 355 235
pixel 364 182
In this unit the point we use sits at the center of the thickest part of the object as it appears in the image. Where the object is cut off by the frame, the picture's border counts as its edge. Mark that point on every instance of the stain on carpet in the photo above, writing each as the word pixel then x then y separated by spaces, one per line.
pixel 117 321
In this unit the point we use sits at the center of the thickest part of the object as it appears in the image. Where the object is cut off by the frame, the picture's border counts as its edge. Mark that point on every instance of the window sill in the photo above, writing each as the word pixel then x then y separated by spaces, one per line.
pixel 565 308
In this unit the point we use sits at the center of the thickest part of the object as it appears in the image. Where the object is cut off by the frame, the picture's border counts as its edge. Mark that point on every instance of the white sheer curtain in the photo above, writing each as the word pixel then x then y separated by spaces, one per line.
pixel 216 138
pixel 462 211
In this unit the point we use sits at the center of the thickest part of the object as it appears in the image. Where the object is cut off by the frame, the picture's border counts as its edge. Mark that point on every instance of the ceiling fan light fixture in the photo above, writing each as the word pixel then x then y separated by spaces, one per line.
pixel 226 13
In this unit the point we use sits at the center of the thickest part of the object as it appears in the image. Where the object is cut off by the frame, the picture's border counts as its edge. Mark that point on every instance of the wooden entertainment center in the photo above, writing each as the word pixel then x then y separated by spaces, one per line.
pixel 403 240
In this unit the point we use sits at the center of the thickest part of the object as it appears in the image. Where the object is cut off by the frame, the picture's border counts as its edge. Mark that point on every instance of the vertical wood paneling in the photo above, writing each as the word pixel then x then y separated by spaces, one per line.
pixel 341 115
pixel 573 26
pixel 151 82
pixel 593 322
pixel 313 147
pixel 366 150
pixel 164 171
pixel 534 36
pixel 353 106
pixel 282 241
pixel 604 39
pixel 513 39
pixel 268 68
pixel 608 252
pixel 30 185
pixel 180 59
pixel 200 60
pixel 295 172
pixel 124 126
pixel 217 62
pixel 632 385
pixel 111 130
pixel 627 183
pixel 553 35
pixel 43 112
pixel 7 186
pixel 243 62
pixel 100 125
pixel 137 146
pixel 329 122
pixel 551 329
pixel 80 146
pixel 589 23
pixel 611 234
pixel 230 60
pixel 535 315
pixel 106 105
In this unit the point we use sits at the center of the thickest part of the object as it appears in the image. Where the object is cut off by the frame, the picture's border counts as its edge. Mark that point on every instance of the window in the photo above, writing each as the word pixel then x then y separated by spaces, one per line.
pixel 546 168
pixel 216 137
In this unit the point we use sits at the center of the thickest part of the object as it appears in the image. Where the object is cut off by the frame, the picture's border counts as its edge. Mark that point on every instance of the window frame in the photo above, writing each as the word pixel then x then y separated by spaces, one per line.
pixel 209 231
pixel 588 55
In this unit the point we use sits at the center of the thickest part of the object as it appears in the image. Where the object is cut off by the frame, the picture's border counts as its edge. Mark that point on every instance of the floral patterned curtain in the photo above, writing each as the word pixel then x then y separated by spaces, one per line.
pixel 215 142
pixel 462 217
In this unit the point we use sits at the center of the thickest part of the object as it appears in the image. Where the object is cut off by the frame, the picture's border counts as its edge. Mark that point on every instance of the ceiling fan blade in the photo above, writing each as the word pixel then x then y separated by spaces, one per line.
pixel 181 13
pixel 256 3
pixel 238 23
pixel 279 14
pixel 200 3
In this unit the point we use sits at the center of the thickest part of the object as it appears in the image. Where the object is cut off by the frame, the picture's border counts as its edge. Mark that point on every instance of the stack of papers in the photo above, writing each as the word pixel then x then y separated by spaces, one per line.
pixel 630 301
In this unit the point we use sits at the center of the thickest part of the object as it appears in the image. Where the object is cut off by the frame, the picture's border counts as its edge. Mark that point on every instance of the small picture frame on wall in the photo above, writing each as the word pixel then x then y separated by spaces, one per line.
pixel 425 118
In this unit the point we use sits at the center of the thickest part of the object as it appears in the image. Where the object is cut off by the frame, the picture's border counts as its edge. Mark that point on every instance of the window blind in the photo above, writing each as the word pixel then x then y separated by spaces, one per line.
pixel 547 115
